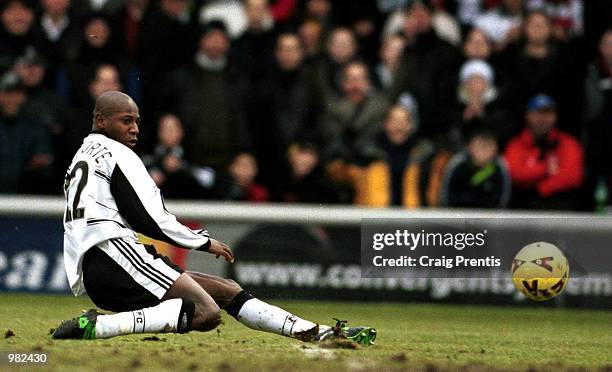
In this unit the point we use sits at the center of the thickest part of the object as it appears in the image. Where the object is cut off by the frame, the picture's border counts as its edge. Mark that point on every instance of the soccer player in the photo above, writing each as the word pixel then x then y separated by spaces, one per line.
pixel 109 197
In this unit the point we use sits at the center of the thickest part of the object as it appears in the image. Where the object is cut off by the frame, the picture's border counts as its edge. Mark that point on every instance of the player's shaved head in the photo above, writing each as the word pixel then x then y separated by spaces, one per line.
pixel 111 102
pixel 116 116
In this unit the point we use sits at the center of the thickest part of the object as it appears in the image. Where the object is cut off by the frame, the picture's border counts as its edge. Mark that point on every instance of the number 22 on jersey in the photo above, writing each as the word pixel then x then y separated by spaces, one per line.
pixel 79 174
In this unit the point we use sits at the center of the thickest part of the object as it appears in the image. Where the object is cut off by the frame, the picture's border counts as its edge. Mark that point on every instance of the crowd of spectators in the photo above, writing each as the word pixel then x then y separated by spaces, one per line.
pixel 413 103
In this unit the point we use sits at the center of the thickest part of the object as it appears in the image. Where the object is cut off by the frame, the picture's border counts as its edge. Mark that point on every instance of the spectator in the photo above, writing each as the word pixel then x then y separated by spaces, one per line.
pixel 476 88
pixel 445 25
pixel 97 46
pixel 16 30
pixel 206 95
pixel 318 11
pixel 241 185
pixel 365 20
pixel 129 21
pixel 394 24
pixel 253 56
pixel 390 55
pixel 535 58
pixel 598 111
pixel 253 51
pixel 566 16
pixel 341 49
pixel 442 23
pixel 100 79
pixel 235 17
pixel 230 12
pixel 306 182
pixel 103 78
pixel 426 69
pixel 25 154
pixel 538 63
pixel 169 33
pixel 476 45
pixel 468 11
pixel 129 25
pixel 597 19
pixel 45 107
pixel 404 169
pixel 288 109
pixel 546 164
pixel 296 106
pixel 352 121
pixel 168 167
pixel 315 27
pixel 598 83
pixel 57 38
pixel 478 102
pixel 478 176
pixel 503 23
pixel 311 34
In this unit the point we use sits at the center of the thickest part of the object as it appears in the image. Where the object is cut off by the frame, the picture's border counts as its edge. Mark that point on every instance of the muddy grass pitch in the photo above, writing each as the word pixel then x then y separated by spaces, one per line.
pixel 410 337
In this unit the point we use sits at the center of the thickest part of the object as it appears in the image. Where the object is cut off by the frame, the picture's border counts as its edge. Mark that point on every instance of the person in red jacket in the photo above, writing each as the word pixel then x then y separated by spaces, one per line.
pixel 546 164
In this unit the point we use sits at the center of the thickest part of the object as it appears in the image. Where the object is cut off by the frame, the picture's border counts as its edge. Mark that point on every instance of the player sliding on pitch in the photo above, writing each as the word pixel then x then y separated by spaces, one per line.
pixel 109 197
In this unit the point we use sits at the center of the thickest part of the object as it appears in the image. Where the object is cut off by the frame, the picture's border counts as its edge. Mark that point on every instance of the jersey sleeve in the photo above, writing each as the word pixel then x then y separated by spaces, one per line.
pixel 141 204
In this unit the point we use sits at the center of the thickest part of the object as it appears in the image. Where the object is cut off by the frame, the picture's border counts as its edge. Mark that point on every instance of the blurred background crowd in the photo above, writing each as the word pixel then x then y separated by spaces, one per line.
pixel 441 103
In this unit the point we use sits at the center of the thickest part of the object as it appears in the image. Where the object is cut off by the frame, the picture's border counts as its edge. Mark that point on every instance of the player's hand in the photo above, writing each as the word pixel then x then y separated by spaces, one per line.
pixel 221 250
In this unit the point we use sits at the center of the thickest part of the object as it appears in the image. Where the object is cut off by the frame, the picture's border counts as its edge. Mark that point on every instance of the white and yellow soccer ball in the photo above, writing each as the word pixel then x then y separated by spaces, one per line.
pixel 540 271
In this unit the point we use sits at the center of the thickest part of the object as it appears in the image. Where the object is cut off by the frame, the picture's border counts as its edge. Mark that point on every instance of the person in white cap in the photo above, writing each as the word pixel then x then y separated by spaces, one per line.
pixel 477 100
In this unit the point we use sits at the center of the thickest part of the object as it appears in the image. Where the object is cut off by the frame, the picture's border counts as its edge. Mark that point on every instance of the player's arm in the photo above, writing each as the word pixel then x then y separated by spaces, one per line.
pixel 221 250
pixel 140 203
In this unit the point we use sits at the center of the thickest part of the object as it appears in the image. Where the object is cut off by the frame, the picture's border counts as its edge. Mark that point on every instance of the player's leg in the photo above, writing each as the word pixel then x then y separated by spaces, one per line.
pixel 207 315
pixel 147 294
pixel 259 315
pixel 185 307
pixel 253 312
pixel 222 290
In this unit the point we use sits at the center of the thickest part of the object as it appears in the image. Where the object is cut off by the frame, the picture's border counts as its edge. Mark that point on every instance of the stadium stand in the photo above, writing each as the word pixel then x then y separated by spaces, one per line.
pixel 270 77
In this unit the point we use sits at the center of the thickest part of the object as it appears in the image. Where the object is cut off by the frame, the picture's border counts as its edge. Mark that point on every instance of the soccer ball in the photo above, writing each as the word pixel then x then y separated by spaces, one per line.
pixel 540 271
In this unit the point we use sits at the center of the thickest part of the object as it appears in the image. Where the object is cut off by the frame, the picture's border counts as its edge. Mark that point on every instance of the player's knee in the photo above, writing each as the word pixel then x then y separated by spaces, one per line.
pixel 207 317
pixel 211 321
pixel 228 293
pixel 233 286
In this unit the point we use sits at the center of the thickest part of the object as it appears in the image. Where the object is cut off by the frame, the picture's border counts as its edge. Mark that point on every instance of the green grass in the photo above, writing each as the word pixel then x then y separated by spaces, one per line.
pixel 410 336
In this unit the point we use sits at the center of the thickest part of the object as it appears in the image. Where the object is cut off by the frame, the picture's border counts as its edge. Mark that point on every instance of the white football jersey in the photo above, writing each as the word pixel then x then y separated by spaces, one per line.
pixel 109 194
